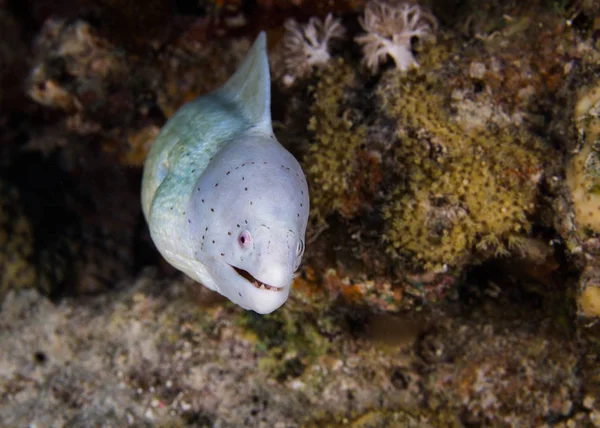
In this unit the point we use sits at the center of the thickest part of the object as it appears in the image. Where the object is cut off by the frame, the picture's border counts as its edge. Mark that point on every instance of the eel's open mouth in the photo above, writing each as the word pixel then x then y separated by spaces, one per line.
pixel 255 282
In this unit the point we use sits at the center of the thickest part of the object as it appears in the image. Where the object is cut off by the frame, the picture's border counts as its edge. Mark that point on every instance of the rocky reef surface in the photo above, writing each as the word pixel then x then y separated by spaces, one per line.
pixel 452 269
pixel 149 354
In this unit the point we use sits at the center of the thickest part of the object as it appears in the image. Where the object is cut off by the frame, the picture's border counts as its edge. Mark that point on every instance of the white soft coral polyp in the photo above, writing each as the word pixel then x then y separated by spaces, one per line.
pixel 307 46
pixel 389 30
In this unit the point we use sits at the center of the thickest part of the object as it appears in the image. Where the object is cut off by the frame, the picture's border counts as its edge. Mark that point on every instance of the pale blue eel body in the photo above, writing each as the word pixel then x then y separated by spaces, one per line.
pixel 225 202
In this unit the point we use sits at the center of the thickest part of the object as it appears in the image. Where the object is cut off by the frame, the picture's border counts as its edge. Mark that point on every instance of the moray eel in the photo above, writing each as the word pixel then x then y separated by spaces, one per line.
pixel 225 203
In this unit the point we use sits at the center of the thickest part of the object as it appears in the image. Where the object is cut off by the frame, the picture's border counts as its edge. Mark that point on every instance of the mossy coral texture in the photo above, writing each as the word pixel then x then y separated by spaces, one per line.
pixel 459 191
pixel 332 161
pixel 583 179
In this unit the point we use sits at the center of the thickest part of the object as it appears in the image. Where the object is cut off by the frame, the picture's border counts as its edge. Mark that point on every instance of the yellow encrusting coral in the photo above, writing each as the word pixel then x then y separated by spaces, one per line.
pixel 589 301
pixel 459 191
pixel 583 178
pixel 332 163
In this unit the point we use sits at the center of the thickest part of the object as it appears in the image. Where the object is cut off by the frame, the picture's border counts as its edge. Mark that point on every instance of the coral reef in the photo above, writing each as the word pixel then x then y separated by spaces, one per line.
pixel 486 147
pixel 307 46
pixel 516 66
pixel 577 220
pixel 390 29
pixel 583 169
pixel 334 151
pixel 580 223
pixel 332 162
pixel 459 190
pixel 492 110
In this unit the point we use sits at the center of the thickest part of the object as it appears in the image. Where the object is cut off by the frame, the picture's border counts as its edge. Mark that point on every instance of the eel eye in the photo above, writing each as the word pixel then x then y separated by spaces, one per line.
pixel 300 248
pixel 244 239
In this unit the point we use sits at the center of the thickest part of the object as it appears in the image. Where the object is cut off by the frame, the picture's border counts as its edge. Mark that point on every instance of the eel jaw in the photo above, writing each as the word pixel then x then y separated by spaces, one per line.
pixel 254 282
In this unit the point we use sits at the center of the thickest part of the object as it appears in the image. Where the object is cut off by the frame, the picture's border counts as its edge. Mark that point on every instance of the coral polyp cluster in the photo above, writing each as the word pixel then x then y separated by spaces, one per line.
pixel 389 31
pixel 459 191
pixel 307 46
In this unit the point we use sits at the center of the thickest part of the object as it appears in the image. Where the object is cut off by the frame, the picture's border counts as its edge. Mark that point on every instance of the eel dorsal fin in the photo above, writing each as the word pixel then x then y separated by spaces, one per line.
pixel 250 86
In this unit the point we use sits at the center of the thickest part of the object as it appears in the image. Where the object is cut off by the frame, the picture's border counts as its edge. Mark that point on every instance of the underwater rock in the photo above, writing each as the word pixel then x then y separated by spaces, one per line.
pixel 99 92
pixel 483 371
pixel 450 158
pixel 155 354
pixel 74 49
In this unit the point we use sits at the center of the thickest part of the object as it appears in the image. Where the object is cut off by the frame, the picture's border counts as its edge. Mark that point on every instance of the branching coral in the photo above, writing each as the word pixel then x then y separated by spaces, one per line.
pixel 307 46
pixel 390 29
